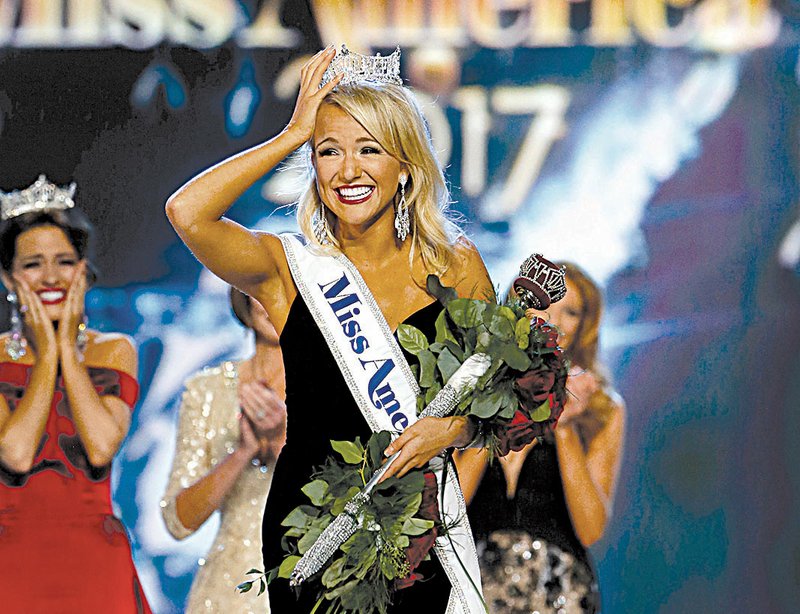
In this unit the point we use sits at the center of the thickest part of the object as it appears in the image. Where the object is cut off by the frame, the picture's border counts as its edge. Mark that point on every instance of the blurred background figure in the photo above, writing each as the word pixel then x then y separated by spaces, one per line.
pixel 535 511
pixel 66 396
pixel 232 426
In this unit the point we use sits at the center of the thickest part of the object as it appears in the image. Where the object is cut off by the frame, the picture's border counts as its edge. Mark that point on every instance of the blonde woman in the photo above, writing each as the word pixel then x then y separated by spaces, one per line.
pixel 232 425
pixel 373 227
pixel 535 511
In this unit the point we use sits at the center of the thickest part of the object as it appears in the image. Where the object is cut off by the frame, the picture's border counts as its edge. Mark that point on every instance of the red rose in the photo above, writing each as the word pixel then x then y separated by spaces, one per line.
pixel 519 433
pixel 534 386
pixel 421 545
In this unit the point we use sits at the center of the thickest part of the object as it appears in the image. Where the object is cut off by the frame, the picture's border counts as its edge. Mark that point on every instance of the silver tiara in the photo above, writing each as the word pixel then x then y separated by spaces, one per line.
pixel 41 196
pixel 357 67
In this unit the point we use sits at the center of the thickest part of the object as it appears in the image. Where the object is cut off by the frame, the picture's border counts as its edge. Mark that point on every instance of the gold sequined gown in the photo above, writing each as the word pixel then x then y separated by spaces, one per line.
pixel 207 432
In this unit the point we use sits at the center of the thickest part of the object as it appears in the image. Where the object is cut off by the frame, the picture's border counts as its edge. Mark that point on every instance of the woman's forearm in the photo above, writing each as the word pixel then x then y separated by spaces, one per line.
pixel 21 433
pixel 101 431
pixel 585 501
pixel 205 198
pixel 193 505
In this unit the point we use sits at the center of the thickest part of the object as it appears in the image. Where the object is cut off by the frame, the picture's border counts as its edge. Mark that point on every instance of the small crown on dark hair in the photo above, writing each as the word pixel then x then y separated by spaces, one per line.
pixel 540 282
pixel 40 196
pixel 357 67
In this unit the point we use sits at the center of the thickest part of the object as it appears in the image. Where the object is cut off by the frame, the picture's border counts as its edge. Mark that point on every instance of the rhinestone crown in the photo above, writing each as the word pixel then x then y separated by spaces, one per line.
pixel 41 196
pixel 357 67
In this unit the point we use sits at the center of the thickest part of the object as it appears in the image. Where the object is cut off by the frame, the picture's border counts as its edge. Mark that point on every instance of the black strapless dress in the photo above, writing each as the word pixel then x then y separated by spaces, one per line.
pixel 530 557
pixel 320 408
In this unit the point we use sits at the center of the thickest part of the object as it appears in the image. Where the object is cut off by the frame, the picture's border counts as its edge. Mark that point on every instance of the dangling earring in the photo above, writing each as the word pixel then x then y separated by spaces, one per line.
pixel 402 223
pixel 320 226
pixel 82 338
pixel 16 344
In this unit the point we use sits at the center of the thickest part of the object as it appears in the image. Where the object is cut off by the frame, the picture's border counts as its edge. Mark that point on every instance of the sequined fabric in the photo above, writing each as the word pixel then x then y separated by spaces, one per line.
pixel 208 431
pixel 522 575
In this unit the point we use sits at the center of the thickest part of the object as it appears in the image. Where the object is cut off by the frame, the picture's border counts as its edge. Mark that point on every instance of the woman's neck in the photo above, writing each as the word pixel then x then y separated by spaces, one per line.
pixel 375 242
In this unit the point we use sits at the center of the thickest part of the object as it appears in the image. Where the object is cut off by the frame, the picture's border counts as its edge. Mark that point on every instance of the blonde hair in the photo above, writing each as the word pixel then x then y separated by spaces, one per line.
pixel 391 114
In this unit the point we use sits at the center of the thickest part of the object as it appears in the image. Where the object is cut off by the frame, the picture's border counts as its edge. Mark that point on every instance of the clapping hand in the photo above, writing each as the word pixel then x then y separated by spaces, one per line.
pixel 265 412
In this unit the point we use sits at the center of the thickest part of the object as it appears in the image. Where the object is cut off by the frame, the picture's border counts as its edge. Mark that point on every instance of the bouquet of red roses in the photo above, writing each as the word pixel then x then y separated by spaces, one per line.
pixel 522 391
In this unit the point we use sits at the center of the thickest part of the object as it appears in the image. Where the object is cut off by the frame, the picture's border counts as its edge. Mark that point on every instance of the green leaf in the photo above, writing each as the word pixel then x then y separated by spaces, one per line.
pixel 262 586
pixel 508 314
pixel 442 329
pixel 316 491
pixel 515 357
pixel 351 452
pixel 541 413
pixel 466 312
pixel 416 526
pixel 297 518
pixel 245 586
pixel 254 570
pixel 287 566
pixel 376 445
pixel 448 364
pixel 432 392
pixel 486 405
pixel 338 505
pixel 501 327
pixel 333 575
pixel 412 339
pixel 305 542
pixel 427 364
pixel 522 332
pixel 455 349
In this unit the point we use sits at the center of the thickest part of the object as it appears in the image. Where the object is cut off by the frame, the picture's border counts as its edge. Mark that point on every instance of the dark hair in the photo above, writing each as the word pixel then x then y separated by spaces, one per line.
pixel 73 222
pixel 240 304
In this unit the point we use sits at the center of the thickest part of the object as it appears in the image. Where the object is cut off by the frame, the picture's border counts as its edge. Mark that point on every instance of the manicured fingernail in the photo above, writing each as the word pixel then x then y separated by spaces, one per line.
pixel 387 452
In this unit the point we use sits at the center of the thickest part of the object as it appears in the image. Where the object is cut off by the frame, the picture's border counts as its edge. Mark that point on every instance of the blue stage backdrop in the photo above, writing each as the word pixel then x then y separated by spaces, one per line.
pixel 654 142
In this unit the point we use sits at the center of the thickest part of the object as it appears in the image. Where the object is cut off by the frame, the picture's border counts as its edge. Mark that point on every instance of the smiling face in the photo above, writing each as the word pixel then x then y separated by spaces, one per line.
pixel 356 178
pixel 46 260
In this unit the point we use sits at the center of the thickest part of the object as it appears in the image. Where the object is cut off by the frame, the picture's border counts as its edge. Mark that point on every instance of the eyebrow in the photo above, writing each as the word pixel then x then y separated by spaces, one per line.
pixel 41 256
pixel 361 139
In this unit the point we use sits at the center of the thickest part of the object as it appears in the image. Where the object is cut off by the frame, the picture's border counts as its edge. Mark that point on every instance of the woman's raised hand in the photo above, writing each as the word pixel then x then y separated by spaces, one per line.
pixel 42 332
pixel 310 96
pixel 74 307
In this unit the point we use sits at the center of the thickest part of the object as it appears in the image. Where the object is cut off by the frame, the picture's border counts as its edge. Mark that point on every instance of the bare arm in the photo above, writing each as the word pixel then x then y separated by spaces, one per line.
pixel 471 465
pixel 185 507
pixel 21 431
pixel 589 477
pixel 241 257
pixel 101 422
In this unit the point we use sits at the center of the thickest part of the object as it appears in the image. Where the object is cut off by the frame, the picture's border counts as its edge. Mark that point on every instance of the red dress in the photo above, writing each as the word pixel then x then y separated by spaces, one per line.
pixel 62 551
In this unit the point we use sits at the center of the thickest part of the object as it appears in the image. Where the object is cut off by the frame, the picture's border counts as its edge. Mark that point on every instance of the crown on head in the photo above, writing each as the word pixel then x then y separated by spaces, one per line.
pixel 357 67
pixel 41 196
pixel 540 282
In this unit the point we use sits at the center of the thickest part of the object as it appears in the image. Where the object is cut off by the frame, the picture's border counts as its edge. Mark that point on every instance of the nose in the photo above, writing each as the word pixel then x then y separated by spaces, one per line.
pixel 51 274
pixel 351 168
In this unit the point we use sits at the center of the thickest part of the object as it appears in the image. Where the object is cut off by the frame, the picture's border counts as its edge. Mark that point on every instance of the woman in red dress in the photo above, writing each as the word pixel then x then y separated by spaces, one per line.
pixel 66 395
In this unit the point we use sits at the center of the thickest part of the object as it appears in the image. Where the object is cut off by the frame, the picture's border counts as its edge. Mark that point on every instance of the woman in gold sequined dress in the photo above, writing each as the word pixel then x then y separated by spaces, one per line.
pixel 232 425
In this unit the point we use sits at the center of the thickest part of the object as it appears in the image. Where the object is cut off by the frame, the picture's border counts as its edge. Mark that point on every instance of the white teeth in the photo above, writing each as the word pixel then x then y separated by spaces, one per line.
pixel 354 193
pixel 51 295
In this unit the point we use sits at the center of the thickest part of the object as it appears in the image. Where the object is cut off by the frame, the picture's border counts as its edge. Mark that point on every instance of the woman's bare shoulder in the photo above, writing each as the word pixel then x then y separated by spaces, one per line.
pixel 469 275
pixel 112 351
